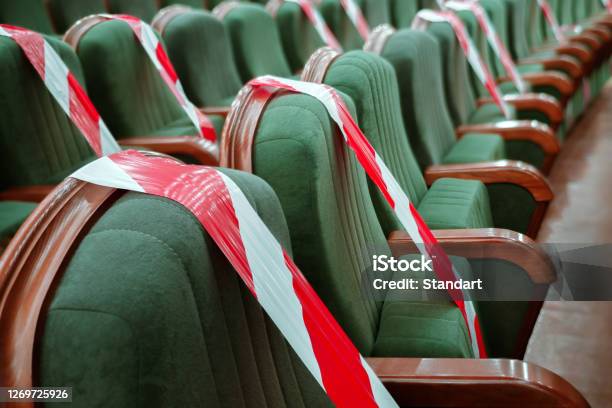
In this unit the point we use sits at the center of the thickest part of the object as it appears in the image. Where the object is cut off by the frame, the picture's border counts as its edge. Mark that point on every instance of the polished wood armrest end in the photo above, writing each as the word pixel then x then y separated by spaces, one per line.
pixel 443 382
pixel 559 62
pixel 216 110
pixel 205 152
pixel 529 130
pixel 486 243
pixel 26 193
pixel 499 171
pixel 534 101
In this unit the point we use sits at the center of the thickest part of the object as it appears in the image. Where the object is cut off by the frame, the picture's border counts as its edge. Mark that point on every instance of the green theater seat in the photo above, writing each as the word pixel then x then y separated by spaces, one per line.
pixel 371 83
pixel 199 48
pixel 66 12
pixel 255 40
pixel 161 319
pixel 295 28
pixel 143 9
pixel 126 87
pixel 26 13
pixel 12 215
pixel 39 145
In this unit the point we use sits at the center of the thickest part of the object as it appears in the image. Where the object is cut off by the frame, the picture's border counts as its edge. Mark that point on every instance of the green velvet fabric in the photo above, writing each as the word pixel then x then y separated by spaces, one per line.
pixel 190 3
pixel 26 13
pixel 298 36
pixel 490 113
pixel 333 225
pixel 403 12
pixel 256 42
pixel 143 9
pixel 12 215
pixel 456 204
pixel 125 86
pixel 38 142
pixel 200 51
pixel 416 57
pixel 341 25
pixel 371 83
pixel 476 147
pixel 66 12
pixel 160 319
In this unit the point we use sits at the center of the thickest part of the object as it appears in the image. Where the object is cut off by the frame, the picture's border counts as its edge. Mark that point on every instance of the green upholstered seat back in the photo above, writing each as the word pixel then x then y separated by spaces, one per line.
pixel 480 41
pixel 200 51
pixel 26 13
pixel 324 194
pixel 459 94
pixel 517 23
pixel 38 142
pixel 256 42
pixel 190 3
pixel 123 83
pixel 416 57
pixel 376 12
pixel 149 314
pixel 499 17
pixel 298 36
pixel 143 9
pixel 403 12
pixel 66 12
pixel 371 83
pixel 343 28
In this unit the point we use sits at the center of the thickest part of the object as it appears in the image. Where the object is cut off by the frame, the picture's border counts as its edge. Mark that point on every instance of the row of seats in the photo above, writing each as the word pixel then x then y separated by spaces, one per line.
pixel 417 102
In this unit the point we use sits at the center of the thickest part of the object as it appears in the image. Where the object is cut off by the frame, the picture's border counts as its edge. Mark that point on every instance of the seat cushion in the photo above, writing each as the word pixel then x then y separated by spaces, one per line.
pixel 489 113
pixel 412 328
pixel 12 215
pixel 476 147
pixel 454 203
pixel 184 127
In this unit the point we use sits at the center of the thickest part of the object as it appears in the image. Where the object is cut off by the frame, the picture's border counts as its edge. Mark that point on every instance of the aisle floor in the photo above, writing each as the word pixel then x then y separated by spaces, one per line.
pixel 573 338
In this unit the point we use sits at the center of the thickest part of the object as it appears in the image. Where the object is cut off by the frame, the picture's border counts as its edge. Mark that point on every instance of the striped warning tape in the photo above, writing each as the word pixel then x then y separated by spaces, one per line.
pixel 425 17
pixel 64 88
pixel 156 53
pixel 381 176
pixel 498 46
pixel 260 261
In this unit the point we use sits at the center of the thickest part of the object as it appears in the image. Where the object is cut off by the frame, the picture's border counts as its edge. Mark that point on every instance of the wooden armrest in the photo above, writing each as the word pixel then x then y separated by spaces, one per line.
pixel 500 171
pixel 564 84
pixel 444 382
pixel 534 101
pixel 486 243
pixel 530 130
pixel 216 110
pixel 588 39
pixel 577 50
pixel 26 193
pixel 560 62
pixel 205 152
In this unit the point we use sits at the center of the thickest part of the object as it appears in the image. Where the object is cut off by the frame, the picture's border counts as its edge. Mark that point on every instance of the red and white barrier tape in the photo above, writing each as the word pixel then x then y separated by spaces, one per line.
pixel 155 51
pixel 318 23
pixel 608 5
pixel 494 40
pixel 551 19
pixel 354 14
pixel 64 88
pixel 260 261
pixel 425 17
pixel 380 175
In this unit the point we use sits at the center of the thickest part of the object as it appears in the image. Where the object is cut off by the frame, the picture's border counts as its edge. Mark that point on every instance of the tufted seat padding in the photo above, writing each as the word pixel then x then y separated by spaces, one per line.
pixel 160 319
pixel 455 204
